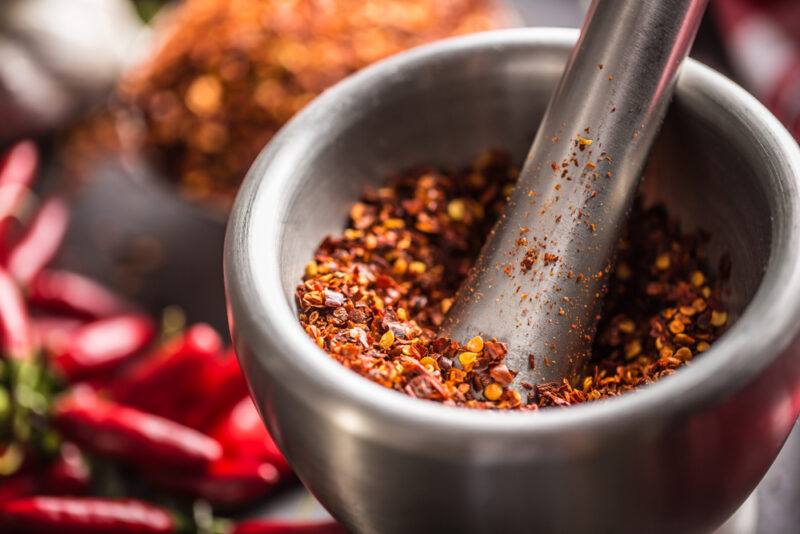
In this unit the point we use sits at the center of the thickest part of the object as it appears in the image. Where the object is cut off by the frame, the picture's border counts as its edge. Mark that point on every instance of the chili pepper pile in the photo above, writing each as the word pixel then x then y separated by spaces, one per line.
pixel 105 425
pixel 230 73
pixel 374 296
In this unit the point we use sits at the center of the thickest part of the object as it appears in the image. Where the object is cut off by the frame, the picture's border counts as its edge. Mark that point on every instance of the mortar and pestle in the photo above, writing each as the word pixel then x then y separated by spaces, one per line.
pixel 680 455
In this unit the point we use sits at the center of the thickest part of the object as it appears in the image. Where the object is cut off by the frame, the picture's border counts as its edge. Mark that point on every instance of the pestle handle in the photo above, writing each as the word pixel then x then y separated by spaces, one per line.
pixel 539 281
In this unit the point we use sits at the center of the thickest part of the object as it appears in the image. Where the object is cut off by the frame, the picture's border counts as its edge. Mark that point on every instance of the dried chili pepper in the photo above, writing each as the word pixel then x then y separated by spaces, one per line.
pixel 84 515
pixel 131 435
pixel 154 384
pixel 17 335
pixel 243 435
pixel 104 344
pixel 40 243
pixel 226 483
pixel 73 294
pixel 286 527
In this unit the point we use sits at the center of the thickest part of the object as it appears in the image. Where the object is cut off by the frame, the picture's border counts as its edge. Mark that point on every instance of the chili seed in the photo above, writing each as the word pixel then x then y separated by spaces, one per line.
pixel 718 318
pixel 387 340
pixel 662 262
pixel 475 344
pixel 493 392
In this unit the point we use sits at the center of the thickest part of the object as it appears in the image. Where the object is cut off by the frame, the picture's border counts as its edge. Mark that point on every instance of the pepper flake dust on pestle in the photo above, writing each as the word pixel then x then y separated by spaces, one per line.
pixel 374 296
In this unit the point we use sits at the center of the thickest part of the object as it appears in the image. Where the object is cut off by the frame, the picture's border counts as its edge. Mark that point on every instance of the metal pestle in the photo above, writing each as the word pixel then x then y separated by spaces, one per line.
pixel 540 278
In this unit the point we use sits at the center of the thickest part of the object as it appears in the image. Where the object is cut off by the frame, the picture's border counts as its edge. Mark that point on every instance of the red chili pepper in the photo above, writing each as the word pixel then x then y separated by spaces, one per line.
pixel 15 325
pixel 266 526
pixel 66 475
pixel 40 243
pixel 17 170
pixel 84 515
pixel 131 435
pixel 155 383
pixel 74 294
pixel 243 435
pixel 104 344
pixel 219 386
pixel 53 332
pixel 226 483
pixel 18 485
pixel 19 164
pixel 12 196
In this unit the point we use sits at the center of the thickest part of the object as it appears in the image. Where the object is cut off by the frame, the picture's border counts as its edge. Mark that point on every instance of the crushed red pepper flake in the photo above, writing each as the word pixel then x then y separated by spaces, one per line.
pixel 229 73
pixel 374 297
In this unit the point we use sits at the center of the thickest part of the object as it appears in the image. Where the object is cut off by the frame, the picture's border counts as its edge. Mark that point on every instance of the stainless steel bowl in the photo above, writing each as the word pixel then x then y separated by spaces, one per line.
pixel 677 456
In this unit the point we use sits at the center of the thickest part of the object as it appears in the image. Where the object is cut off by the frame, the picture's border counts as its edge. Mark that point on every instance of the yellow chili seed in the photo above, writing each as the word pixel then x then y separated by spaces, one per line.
pixel 699 305
pixel 665 352
pixel 387 340
pixel 688 311
pixel 446 305
pixel 416 267
pixel 718 318
pixel 352 234
pixel 311 269
pixel 633 349
pixel 706 291
pixel 400 266
pixel 587 383
pixel 626 326
pixel 456 209
pixel 662 262
pixel 475 344
pixel 467 359
pixel 683 339
pixel 702 346
pixel 493 391
pixel 697 278
pixel 676 326
pixel 683 353
pixel 402 314
pixel 427 361
pixel 394 224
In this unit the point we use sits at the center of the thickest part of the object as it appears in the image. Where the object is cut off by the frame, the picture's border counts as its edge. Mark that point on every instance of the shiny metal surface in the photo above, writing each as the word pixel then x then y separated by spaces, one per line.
pixel 544 268
pixel 678 456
